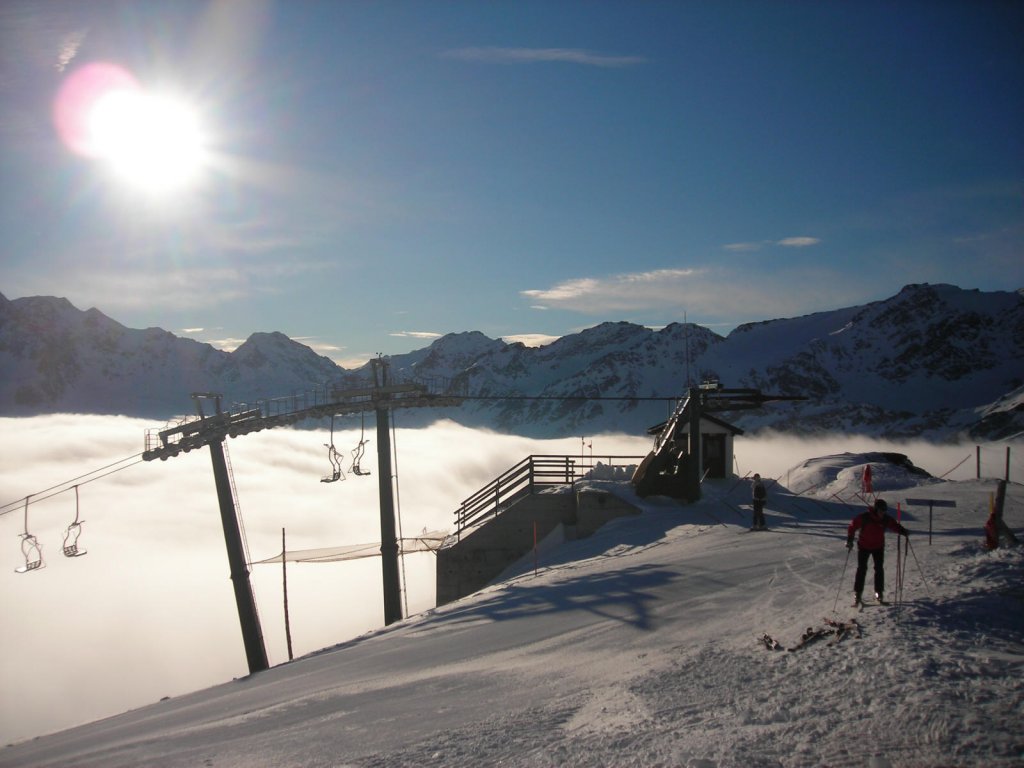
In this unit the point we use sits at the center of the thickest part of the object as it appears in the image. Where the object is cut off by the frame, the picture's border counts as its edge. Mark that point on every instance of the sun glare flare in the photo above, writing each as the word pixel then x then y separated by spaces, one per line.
pixel 152 142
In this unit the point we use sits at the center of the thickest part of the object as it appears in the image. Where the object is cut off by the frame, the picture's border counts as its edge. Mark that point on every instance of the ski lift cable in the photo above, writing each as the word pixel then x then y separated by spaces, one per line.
pixel 622 398
pixel 67 485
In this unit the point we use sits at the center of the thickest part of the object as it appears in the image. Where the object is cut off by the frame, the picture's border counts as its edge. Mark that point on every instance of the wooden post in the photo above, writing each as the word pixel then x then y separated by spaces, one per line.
pixel 1002 529
pixel 534 547
pixel 977 462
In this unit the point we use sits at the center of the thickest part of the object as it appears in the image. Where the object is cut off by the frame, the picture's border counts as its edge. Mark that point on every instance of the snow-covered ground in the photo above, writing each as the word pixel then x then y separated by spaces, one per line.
pixel 641 646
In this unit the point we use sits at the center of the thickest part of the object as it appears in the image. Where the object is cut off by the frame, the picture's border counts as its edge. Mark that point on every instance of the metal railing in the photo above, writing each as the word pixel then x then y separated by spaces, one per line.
pixel 529 475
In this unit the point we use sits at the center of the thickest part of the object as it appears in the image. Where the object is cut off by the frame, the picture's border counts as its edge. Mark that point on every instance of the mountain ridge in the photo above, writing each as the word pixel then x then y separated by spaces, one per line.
pixel 934 361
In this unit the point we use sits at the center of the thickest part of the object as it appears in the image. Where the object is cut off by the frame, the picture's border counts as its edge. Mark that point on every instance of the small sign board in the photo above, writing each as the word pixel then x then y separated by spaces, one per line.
pixel 932 503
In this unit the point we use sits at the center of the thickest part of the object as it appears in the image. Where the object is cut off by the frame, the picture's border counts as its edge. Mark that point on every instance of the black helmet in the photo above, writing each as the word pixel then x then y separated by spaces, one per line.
pixel 880 505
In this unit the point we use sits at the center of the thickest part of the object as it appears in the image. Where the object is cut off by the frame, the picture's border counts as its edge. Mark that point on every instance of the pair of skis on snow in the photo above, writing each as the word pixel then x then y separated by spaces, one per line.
pixel 838 630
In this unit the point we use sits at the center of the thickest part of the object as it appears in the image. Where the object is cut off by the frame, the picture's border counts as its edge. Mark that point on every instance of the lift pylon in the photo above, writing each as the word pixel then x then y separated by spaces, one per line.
pixel 212 428
pixel 385 489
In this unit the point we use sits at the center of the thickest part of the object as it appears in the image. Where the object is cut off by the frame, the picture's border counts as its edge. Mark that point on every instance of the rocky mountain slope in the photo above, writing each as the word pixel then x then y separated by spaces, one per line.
pixel 933 361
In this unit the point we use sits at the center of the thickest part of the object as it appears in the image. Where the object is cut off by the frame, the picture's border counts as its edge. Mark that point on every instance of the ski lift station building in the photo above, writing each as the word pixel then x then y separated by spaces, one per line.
pixel 716 456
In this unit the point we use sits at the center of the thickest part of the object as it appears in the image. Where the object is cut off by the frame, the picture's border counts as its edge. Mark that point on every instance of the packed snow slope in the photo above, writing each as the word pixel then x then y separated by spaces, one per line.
pixel 641 646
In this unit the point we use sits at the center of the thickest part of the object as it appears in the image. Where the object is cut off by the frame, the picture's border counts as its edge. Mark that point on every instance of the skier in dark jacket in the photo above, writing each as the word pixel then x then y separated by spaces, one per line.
pixel 759 497
pixel 872 525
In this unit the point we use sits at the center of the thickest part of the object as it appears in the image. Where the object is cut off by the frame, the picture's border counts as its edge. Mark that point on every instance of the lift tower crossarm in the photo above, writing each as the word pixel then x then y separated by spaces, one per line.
pixel 201 430
pixel 740 399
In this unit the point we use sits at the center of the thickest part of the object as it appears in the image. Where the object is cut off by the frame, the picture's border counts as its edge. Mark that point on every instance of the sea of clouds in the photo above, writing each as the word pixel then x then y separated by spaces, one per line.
pixel 150 612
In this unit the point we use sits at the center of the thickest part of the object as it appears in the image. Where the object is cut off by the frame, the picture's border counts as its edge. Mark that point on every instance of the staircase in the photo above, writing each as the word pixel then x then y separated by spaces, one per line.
pixel 506 519
pixel 534 473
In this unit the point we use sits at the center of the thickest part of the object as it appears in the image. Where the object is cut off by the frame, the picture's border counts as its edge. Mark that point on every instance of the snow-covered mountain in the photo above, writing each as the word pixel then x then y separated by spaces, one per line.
pixel 933 361
pixel 57 358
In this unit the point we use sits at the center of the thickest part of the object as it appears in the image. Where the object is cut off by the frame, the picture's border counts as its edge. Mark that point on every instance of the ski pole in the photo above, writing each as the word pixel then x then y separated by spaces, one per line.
pixel 903 576
pixel 917 562
pixel 899 563
pixel 842 579
pixel 901 567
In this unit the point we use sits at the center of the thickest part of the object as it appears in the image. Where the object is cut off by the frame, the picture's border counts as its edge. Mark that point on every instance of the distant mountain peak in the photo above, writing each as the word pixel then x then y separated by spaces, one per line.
pixel 933 361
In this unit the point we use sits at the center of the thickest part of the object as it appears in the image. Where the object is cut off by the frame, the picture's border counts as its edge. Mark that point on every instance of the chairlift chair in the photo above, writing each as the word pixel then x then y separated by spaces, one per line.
pixel 33 553
pixel 72 532
pixel 357 453
pixel 333 457
pixel 336 473
pixel 30 548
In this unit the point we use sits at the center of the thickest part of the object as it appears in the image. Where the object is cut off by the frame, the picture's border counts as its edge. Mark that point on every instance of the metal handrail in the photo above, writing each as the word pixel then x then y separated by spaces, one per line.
pixel 523 479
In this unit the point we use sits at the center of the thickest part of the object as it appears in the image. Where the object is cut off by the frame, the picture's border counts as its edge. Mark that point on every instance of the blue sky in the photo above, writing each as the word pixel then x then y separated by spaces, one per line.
pixel 377 174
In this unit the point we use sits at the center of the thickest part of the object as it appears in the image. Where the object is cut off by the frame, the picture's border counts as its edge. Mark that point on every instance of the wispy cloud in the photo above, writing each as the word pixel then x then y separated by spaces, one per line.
pixel 624 292
pixel 353 361
pixel 315 344
pixel 137 281
pixel 227 344
pixel 530 339
pixel 749 247
pixel 69 46
pixel 719 296
pixel 798 242
pixel 416 334
pixel 542 55
pixel 131 289
pixel 757 245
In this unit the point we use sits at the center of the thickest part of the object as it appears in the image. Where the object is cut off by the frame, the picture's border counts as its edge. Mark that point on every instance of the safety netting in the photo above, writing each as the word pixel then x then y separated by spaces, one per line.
pixel 428 541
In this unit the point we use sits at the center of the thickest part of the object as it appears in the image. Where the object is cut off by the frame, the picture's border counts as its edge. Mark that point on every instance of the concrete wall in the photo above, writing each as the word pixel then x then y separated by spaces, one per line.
pixel 485 552
pixel 595 508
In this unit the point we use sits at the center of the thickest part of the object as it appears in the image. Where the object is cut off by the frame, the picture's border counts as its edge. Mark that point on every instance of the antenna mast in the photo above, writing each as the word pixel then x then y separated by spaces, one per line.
pixel 686 332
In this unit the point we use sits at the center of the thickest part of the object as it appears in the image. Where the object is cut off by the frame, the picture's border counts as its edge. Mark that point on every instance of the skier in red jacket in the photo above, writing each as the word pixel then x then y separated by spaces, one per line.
pixel 872 525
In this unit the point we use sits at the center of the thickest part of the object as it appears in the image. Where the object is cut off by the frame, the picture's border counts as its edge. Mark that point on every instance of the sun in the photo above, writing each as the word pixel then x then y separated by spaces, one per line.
pixel 152 142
